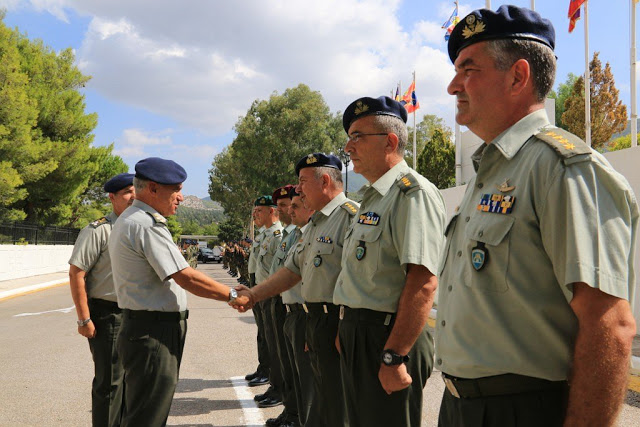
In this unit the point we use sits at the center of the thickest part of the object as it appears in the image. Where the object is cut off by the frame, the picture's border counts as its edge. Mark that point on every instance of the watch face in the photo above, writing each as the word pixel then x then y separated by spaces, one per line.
pixel 387 358
pixel 233 294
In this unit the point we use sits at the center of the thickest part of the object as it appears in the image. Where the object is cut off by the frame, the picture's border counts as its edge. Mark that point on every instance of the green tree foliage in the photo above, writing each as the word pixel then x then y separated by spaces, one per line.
pixel 45 134
pixel 271 138
pixel 230 229
pixel 620 143
pixel 191 227
pixel 436 161
pixel 560 97
pixel 425 130
pixel 201 217
pixel 608 113
pixel 174 227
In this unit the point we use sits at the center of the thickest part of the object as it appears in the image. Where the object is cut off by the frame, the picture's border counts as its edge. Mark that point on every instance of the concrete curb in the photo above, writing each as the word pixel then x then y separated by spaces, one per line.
pixel 32 288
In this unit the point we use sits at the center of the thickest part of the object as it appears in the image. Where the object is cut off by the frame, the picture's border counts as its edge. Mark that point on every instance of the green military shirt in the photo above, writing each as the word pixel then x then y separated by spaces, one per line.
pixel 317 258
pixel 272 237
pixel 400 221
pixel 544 211
pixel 143 257
pixel 91 255
pixel 293 295
pixel 253 252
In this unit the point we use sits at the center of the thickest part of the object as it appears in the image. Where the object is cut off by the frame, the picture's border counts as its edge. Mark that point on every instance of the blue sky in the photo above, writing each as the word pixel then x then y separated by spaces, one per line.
pixel 171 78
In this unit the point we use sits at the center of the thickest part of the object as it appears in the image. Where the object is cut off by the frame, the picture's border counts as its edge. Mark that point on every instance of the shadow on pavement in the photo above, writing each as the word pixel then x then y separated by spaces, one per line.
pixel 189 406
pixel 187 385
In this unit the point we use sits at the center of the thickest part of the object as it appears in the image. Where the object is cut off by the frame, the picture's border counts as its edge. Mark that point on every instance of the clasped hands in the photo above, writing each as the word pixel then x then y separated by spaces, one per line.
pixel 244 301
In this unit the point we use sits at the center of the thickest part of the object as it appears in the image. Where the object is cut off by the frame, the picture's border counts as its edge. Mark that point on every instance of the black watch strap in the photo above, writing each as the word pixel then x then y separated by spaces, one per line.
pixel 391 358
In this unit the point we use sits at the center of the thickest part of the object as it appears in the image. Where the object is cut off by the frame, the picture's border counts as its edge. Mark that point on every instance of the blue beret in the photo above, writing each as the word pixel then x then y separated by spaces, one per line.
pixel 162 171
pixel 118 182
pixel 264 201
pixel 508 22
pixel 382 106
pixel 281 193
pixel 316 160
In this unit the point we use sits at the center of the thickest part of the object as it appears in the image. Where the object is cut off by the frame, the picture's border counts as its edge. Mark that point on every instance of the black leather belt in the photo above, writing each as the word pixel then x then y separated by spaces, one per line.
pixel 320 307
pixel 498 385
pixel 293 307
pixel 162 316
pixel 366 315
pixel 111 305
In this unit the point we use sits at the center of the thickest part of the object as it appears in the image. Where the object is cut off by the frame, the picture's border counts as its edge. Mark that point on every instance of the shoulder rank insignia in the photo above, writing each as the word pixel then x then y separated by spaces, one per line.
pixel 98 222
pixel 277 233
pixel 311 159
pixel 473 26
pixel 157 218
pixel 505 187
pixel 564 143
pixel 407 183
pixel 349 207
pixel 369 218
pixel 324 239
pixel 496 203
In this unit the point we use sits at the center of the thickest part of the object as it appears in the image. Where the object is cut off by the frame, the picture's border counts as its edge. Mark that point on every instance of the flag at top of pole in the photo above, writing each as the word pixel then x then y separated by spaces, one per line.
pixel 451 23
pixel 574 13
pixel 410 98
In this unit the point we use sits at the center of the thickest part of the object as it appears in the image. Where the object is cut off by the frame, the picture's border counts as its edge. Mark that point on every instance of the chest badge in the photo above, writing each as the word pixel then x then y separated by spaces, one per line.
pixel 361 251
pixel 505 187
pixel 479 256
pixel 369 218
pixel 317 261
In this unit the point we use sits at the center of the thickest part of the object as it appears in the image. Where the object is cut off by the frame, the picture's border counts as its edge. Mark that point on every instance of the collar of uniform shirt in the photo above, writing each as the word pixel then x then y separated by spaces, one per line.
pixel 304 227
pixel 145 207
pixel 289 228
pixel 384 183
pixel 333 204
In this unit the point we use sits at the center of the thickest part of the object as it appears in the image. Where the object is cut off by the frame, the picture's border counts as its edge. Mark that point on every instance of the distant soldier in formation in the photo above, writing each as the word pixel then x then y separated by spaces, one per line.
pixel 93 293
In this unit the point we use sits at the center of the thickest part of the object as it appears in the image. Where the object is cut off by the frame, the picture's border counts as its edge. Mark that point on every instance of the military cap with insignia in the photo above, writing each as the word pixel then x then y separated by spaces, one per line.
pixel 282 193
pixel 118 182
pixel 363 107
pixel 317 160
pixel 264 201
pixel 293 192
pixel 162 171
pixel 508 22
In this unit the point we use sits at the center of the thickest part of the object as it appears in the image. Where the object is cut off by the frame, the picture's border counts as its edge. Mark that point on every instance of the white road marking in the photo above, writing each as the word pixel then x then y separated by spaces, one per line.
pixel 61 310
pixel 252 414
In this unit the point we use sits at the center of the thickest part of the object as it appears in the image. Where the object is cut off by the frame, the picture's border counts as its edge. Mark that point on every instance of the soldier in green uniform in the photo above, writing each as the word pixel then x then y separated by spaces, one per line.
pixel 316 263
pixel 534 323
pixel 387 283
pixel 150 277
pixel 94 296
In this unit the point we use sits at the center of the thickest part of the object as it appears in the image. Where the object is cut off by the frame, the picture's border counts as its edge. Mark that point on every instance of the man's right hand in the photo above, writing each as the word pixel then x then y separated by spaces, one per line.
pixel 244 301
pixel 88 330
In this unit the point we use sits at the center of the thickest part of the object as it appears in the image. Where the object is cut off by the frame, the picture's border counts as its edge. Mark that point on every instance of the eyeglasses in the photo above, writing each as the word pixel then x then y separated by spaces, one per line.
pixel 355 137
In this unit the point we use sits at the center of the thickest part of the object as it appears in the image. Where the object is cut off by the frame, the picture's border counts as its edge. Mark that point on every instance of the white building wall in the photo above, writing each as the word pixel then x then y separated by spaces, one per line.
pixel 18 261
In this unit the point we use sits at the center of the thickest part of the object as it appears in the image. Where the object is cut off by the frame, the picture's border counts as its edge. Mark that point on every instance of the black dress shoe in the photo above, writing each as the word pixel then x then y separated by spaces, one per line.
pixel 276 422
pixel 270 392
pixel 289 424
pixel 269 402
pixel 249 377
pixel 258 381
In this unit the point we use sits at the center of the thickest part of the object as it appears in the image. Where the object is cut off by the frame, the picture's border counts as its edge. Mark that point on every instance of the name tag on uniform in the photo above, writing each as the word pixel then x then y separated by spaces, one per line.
pixel 369 218
pixel 497 203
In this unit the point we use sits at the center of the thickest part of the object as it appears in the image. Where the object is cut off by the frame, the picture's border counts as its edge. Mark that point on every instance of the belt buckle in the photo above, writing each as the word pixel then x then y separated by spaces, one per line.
pixel 451 386
pixel 306 309
pixel 324 307
pixel 341 312
pixel 288 308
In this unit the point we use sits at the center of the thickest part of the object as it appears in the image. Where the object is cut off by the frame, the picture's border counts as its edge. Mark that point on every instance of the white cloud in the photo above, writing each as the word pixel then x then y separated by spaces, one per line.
pixel 134 142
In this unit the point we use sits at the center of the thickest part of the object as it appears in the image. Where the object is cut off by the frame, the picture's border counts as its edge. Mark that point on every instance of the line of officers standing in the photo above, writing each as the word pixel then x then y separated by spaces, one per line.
pixel 534 325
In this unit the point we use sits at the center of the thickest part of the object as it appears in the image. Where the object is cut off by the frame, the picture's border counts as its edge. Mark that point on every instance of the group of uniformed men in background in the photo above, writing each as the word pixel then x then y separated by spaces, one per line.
pixel 534 325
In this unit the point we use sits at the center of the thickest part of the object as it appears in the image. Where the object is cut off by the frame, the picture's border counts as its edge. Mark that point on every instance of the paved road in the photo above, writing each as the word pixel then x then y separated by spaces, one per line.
pixel 46 366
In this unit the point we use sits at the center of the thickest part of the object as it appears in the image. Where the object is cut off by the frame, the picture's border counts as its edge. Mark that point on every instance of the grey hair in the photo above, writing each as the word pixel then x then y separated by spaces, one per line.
pixel 392 124
pixel 140 183
pixel 541 59
pixel 334 174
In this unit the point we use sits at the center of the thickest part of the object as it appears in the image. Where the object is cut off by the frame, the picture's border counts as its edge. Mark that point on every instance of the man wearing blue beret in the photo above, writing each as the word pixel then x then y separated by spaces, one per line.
pixel 151 276
pixel 534 323
pixel 315 262
pixel 94 296
pixel 387 284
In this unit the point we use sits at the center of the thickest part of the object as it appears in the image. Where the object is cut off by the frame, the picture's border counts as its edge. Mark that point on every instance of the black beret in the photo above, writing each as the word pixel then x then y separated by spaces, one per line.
pixel 264 201
pixel 118 182
pixel 159 170
pixel 293 192
pixel 281 193
pixel 316 160
pixel 508 22
pixel 382 106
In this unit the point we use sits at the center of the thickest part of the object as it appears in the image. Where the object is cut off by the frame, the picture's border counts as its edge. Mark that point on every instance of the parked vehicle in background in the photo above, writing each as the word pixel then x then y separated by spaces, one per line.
pixel 206 255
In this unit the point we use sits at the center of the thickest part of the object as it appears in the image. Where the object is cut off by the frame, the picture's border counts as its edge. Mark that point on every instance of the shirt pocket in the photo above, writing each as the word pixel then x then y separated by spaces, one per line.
pixel 448 232
pixel 365 249
pixel 279 257
pixel 491 233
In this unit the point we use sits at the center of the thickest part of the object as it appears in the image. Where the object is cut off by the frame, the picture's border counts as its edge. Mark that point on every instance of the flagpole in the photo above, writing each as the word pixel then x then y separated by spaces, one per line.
pixel 587 78
pixel 488 4
pixel 533 4
pixel 634 106
pixel 415 155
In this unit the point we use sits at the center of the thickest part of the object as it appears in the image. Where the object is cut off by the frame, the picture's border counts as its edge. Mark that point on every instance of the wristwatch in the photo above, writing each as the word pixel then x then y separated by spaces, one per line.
pixel 83 322
pixel 232 295
pixel 391 358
